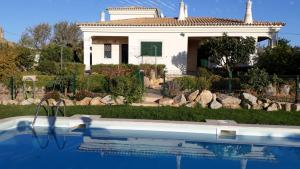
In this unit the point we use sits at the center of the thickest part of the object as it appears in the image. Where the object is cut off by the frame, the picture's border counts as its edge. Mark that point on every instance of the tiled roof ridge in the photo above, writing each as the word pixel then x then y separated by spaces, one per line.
pixel 190 21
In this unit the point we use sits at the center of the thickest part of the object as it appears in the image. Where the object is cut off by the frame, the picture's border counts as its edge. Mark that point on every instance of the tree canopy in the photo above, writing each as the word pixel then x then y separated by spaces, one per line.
pixel 37 36
pixel 229 52
pixel 283 59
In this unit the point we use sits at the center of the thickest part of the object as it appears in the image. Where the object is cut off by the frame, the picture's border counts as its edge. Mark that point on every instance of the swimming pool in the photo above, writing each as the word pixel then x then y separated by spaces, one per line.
pixel 89 143
pixel 81 148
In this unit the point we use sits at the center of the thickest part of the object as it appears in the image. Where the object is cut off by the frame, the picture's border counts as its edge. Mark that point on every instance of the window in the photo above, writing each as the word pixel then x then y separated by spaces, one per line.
pixel 151 48
pixel 107 50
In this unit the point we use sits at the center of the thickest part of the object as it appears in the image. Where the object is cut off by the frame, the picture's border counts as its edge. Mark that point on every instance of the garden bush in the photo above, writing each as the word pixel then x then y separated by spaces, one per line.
pixel 81 94
pixel 126 69
pixel 256 79
pixel 129 87
pixel 148 67
pixel 53 68
pixel 193 83
pixel 112 71
pixel 93 83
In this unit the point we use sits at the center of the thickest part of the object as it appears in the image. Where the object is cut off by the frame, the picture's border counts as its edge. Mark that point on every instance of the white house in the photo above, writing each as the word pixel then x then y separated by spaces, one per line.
pixel 140 35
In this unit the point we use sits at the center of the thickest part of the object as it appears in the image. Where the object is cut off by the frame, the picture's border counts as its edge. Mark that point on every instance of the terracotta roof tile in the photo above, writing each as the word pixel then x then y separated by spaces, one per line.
pixel 191 21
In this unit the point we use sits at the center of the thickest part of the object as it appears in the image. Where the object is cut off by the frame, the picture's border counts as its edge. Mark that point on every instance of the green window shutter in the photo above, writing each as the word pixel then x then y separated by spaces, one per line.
pixel 151 48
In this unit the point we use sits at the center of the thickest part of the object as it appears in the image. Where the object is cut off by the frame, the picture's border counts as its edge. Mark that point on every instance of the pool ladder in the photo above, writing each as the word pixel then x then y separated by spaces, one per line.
pixel 52 111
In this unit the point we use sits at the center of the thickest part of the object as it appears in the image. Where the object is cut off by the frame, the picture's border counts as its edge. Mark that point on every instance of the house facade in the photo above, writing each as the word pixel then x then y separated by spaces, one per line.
pixel 140 35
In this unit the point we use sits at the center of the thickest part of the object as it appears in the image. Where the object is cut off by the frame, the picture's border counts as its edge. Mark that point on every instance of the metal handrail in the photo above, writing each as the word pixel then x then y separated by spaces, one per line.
pixel 57 106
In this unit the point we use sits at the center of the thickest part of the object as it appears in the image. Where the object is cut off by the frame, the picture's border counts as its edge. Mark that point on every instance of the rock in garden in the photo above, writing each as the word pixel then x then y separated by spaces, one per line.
pixel 96 101
pixel 271 90
pixel 151 97
pixel 4 102
pixel 179 100
pixel 146 82
pixel 215 104
pixel 273 107
pixel 296 107
pixel 191 104
pixel 249 98
pixel 229 101
pixel 193 95
pixel 12 102
pixel 69 102
pixel 85 102
pixel 246 105
pixel 166 102
pixel 205 98
pixel 287 106
pixel 52 102
pixel 27 102
pixel 257 107
pixel 108 100
pixel 120 100
pixel 285 89
pixel 266 100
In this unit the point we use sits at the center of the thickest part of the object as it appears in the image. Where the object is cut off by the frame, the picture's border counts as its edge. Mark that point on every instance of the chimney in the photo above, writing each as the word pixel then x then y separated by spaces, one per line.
pixel 248 16
pixel 162 15
pixel 102 17
pixel 186 12
pixel 181 11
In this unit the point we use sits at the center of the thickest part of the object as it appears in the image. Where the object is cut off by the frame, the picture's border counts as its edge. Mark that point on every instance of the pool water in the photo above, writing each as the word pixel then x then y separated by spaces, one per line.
pixel 44 148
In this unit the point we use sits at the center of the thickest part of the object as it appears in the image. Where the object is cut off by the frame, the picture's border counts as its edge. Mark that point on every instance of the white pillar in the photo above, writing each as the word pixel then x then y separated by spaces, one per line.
pixel 87 42
pixel 274 39
pixel 255 54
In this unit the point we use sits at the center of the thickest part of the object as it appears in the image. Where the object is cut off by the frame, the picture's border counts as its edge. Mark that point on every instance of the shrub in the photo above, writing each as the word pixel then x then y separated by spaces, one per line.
pixel 193 83
pixel 112 71
pixel 221 84
pixel 256 79
pixel 203 72
pixel 148 67
pixel 129 87
pixel 43 81
pixel 48 68
pixel 126 70
pixel 173 89
pixel 80 95
pixel 73 68
pixel 94 83
pixel 52 53
pixel 53 68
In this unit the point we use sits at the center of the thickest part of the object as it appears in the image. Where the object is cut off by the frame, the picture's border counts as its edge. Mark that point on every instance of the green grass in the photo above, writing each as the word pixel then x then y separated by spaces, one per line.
pixel 169 113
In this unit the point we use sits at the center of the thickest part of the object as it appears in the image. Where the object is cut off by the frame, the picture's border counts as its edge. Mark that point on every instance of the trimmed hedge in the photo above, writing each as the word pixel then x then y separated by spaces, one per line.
pixel 126 69
pixel 169 113
pixel 114 70
pixel 93 83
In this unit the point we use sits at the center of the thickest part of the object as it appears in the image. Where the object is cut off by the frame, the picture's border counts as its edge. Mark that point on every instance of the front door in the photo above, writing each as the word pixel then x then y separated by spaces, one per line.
pixel 124 53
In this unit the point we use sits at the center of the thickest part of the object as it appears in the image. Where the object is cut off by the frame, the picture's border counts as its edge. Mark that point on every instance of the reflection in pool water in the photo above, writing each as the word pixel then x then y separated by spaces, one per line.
pixel 117 149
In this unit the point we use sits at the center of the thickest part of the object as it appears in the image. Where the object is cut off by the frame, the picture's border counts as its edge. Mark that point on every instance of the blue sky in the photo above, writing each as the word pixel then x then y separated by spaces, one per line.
pixel 17 15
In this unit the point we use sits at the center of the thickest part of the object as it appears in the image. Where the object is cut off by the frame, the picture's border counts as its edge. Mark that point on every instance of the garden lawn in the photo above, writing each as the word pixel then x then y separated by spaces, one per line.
pixel 168 113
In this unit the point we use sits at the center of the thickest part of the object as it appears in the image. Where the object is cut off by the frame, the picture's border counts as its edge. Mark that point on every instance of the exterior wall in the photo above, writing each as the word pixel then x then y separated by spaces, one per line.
pixel 98 54
pixel 98 49
pixel 174 39
pixel 174 51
